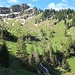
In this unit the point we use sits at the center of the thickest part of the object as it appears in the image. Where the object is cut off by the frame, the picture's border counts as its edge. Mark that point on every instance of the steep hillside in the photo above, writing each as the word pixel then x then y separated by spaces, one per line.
pixel 39 44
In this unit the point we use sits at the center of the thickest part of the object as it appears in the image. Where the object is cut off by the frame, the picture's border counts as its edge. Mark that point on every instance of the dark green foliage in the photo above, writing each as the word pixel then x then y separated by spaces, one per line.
pixel 52 34
pixel 67 53
pixel 72 23
pixel 48 14
pixel 69 16
pixel 70 41
pixel 58 15
pixel 33 61
pixel 65 33
pixel 65 65
pixel 22 52
pixel 59 56
pixel 4 56
pixel 64 21
pixel 8 36
pixel 43 32
pixel 73 20
pixel 68 25
pixel 70 48
pixel 1 34
pixel 63 14
pixel 49 56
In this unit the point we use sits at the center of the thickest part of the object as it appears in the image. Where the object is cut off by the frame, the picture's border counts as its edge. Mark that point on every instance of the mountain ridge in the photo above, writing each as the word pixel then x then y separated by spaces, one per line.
pixel 19 10
pixel 13 8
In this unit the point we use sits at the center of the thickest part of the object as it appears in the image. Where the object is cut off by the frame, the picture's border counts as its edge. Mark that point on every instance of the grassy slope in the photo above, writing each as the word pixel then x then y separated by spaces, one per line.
pixel 72 63
pixel 45 25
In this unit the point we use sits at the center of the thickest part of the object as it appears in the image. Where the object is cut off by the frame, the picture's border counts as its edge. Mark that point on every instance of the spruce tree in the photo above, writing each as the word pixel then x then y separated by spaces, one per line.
pixel 22 52
pixel 52 56
pixel 4 55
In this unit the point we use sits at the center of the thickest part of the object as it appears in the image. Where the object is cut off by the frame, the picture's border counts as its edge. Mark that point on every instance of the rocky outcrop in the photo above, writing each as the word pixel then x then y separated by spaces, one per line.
pixel 36 11
pixel 24 7
pixel 4 10
pixel 28 11
pixel 32 11
pixel 19 10
pixel 14 8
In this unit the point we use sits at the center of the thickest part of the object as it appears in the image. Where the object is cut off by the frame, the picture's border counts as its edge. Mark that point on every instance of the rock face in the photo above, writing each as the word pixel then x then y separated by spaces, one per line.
pixel 19 10
pixel 32 11
pixel 24 7
pixel 4 10
pixel 14 8
pixel 36 11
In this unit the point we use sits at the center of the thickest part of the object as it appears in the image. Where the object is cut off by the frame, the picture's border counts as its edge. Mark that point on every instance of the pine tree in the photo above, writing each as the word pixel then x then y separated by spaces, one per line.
pixel 34 55
pixel 73 20
pixel 52 56
pixel 4 55
pixel 66 52
pixel 33 59
pixel 1 35
pixel 22 52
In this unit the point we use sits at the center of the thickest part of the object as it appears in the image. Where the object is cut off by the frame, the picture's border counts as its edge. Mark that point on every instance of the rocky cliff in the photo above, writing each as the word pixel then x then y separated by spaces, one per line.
pixel 19 10
pixel 24 7
pixel 4 10
pixel 14 8
pixel 32 11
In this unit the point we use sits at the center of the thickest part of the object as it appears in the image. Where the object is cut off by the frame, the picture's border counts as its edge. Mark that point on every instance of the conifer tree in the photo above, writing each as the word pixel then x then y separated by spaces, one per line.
pixel 65 65
pixel 34 59
pixel 4 55
pixel 22 52
pixel 52 55
pixel 1 35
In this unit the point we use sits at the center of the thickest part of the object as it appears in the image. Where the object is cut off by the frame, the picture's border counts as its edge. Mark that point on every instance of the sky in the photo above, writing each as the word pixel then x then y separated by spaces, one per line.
pixel 42 4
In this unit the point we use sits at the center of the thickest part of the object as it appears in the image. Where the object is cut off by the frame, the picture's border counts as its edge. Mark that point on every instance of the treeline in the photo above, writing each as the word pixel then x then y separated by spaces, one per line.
pixel 60 15
pixel 70 24
pixel 54 14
